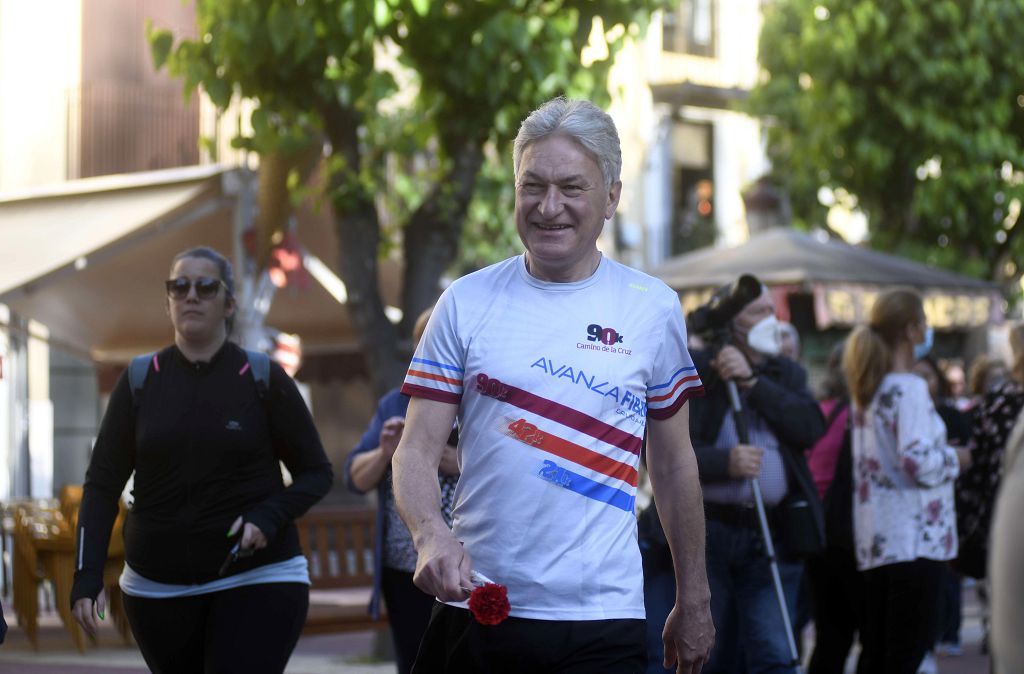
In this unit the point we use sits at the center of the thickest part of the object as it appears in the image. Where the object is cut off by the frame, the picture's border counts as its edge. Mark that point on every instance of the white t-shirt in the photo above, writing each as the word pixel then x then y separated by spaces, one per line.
pixel 903 473
pixel 554 382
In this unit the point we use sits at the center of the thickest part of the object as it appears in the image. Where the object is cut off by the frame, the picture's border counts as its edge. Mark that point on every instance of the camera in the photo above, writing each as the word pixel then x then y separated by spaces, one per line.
pixel 711 321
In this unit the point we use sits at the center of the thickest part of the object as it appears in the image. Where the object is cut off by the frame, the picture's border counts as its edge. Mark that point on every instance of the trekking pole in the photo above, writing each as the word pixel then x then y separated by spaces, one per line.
pixel 762 517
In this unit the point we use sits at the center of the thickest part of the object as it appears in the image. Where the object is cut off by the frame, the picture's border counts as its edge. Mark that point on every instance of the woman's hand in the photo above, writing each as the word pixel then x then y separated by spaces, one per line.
pixel 252 538
pixel 85 611
pixel 390 436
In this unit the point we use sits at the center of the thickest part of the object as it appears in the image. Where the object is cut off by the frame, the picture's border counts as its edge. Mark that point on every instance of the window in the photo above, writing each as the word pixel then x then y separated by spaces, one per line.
pixel 690 28
pixel 693 191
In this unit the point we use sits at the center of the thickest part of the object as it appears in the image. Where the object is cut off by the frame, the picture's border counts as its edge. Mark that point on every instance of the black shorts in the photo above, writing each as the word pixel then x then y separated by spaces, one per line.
pixel 455 642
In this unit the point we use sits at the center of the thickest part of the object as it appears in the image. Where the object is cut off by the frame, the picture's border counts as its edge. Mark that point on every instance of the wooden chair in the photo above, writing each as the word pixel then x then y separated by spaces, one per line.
pixel 44 550
pixel 70 498
pixel 26 576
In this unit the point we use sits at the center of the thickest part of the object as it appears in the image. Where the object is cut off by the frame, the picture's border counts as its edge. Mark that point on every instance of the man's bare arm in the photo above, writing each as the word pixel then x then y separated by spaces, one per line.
pixel 442 565
pixel 689 633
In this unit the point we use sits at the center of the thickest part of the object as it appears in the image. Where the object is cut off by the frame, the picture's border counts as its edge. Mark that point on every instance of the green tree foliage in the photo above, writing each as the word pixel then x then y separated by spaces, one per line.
pixel 915 108
pixel 414 103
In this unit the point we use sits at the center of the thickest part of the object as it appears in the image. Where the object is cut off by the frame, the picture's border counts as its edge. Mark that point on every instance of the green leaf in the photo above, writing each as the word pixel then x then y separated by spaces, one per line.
pixel 421 7
pixel 281 27
pixel 219 92
pixel 381 13
pixel 160 43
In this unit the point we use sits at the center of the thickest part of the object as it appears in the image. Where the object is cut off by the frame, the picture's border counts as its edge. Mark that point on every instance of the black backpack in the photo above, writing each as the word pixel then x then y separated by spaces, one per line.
pixel 140 366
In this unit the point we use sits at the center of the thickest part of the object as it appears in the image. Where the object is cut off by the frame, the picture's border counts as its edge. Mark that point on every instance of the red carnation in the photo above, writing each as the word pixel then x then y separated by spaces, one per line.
pixel 489 603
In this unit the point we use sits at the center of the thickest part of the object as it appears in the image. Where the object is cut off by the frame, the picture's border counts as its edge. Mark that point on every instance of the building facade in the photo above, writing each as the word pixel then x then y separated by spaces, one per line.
pixel 689 150
pixel 78 98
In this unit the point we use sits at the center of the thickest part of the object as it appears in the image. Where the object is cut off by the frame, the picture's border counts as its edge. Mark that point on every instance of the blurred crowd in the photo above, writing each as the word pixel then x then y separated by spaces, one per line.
pixel 907 468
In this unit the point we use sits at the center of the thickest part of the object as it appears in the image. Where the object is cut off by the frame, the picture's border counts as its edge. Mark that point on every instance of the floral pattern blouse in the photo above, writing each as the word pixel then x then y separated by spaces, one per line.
pixel 903 476
pixel 976 488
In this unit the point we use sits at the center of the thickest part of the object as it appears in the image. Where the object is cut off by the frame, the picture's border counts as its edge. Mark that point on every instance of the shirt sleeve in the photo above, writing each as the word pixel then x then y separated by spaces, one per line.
pixel 922 449
pixel 674 377
pixel 112 462
pixel 437 369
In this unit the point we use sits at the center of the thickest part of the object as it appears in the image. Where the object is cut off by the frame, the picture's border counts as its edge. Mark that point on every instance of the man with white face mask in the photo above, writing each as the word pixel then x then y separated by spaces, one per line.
pixel 782 421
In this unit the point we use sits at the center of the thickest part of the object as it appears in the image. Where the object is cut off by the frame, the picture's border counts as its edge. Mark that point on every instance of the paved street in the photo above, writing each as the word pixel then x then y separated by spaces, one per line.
pixel 323 654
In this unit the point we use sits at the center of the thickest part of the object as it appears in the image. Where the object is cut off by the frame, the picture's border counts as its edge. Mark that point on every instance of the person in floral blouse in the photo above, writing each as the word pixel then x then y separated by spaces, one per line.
pixel 903 473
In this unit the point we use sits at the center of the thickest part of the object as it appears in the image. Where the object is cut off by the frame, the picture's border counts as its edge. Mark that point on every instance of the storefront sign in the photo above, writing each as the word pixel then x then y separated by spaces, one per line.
pixel 848 305
pixel 843 306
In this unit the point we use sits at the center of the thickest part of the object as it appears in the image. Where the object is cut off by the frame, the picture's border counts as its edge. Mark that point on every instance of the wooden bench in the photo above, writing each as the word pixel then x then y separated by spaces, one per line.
pixel 338 542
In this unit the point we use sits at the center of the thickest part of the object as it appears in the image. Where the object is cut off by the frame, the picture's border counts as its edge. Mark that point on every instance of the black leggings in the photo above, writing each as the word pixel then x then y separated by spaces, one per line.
pixel 901 605
pixel 837 607
pixel 245 629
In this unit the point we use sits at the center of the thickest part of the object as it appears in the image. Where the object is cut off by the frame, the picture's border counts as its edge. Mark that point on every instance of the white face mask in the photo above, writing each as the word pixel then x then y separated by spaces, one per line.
pixel 765 337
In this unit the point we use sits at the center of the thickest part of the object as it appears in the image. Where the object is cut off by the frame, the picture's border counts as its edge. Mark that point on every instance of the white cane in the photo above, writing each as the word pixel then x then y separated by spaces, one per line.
pixel 769 547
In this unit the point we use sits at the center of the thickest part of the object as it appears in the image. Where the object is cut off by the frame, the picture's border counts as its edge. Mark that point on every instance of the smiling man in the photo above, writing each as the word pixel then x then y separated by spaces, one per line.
pixel 555 363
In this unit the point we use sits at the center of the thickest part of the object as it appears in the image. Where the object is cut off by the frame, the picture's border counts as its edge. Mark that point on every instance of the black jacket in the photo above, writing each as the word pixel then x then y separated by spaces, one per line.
pixel 782 399
pixel 205 447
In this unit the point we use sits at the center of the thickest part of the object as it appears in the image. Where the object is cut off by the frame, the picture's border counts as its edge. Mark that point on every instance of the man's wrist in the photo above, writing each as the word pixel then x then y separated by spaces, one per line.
pixel 692 587
pixel 694 600
pixel 428 533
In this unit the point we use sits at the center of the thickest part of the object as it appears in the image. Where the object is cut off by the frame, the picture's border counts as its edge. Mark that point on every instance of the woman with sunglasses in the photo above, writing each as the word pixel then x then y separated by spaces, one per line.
pixel 214 578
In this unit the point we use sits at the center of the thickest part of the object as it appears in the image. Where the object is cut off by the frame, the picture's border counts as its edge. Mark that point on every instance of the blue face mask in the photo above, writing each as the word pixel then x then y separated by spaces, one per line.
pixel 921 350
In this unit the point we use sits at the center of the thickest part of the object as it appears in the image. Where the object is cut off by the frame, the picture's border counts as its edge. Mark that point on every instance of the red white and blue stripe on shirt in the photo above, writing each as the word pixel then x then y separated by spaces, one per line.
pixel 664 400
pixel 612 481
pixel 433 380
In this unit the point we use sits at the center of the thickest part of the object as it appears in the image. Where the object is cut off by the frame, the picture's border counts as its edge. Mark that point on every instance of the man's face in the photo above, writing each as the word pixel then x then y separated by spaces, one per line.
pixel 561 206
pixel 754 313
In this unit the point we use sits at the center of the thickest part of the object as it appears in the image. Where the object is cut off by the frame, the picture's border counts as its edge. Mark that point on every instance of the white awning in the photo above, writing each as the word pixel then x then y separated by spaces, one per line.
pixel 89 259
pixel 46 231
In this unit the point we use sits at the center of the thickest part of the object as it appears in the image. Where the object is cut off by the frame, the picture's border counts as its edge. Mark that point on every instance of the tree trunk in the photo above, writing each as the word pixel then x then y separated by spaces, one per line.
pixel 432 234
pixel 358 229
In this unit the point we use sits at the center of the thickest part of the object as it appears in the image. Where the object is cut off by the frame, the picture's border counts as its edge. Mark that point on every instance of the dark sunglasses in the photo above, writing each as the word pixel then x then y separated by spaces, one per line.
pixel 206 288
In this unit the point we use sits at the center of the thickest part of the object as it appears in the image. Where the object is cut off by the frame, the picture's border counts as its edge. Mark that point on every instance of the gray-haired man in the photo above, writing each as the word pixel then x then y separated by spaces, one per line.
pixel 556 362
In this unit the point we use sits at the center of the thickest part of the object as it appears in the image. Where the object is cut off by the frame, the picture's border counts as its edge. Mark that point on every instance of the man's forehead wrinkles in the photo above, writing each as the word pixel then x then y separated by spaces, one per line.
pixel 554 176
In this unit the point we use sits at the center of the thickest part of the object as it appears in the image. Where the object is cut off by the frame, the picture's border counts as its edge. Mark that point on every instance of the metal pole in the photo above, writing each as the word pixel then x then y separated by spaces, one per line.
pixel 762 517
